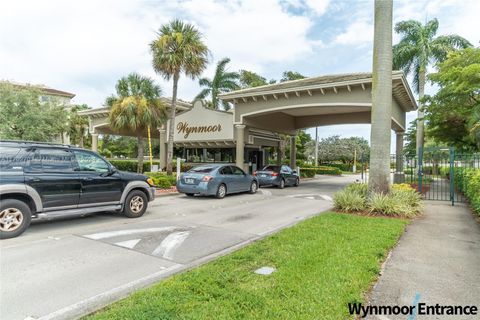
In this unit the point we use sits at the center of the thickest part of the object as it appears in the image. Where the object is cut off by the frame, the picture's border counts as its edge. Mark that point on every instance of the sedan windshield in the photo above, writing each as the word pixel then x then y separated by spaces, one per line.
pixel 272 168
pixel 202 169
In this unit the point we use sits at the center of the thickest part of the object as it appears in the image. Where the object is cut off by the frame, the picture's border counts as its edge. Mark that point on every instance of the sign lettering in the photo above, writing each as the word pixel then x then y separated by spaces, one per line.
pixel 185 129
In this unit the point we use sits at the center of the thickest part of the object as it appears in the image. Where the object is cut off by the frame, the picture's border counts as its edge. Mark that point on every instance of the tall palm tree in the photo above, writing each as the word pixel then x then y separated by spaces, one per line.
pixel 222 82
pixel 136 107
pixel 417 49
pixel 178 49
pixel 379 177
pixel 77 124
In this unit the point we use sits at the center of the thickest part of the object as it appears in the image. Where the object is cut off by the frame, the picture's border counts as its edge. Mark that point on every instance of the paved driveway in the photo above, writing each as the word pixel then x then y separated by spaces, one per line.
pixel 63 269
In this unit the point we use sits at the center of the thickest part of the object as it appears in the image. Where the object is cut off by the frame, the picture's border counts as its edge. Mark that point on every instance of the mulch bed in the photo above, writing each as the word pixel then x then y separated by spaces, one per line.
pixel 160 192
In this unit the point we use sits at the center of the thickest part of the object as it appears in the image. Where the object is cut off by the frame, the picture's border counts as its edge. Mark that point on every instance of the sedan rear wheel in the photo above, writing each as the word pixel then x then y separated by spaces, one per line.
pixel 221 191
pixel 253 187
pixel 297 182
pixel 282 184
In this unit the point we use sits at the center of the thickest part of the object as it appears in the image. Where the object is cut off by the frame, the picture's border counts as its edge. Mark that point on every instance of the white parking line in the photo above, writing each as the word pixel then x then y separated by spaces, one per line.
pixel 170 243
pixel 130 244
pixel 111 234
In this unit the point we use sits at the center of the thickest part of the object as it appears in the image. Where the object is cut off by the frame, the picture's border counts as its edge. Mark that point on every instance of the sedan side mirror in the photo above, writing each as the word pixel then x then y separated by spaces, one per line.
pixel 294 171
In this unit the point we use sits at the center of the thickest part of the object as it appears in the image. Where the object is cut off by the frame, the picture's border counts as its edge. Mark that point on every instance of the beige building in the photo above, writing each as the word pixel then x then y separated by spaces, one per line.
pixel 260 114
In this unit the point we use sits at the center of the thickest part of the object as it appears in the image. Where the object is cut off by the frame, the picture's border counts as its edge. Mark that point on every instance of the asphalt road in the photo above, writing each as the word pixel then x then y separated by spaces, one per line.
pixel 65 269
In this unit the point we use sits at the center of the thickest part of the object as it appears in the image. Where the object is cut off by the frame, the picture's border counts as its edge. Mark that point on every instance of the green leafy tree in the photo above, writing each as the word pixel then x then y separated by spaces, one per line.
pixel 77 124
pixel 24 117
pixel 291 75
pixel 136 107
pixel 249 79
pixel 419 48
pixel 222 82
pixel 334 148
pixel 178 49
pixel 453 113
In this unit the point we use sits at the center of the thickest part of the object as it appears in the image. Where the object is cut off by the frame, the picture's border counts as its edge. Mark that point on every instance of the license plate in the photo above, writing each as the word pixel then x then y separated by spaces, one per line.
pixel 263 175
pixel 189 180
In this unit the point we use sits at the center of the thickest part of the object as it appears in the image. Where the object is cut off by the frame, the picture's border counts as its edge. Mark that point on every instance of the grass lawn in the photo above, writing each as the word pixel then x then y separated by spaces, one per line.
pixel 322 264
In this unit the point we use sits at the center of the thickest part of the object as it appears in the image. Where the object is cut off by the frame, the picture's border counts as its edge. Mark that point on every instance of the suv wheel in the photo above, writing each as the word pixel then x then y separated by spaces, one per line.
pixel 15 217
pixel 135 204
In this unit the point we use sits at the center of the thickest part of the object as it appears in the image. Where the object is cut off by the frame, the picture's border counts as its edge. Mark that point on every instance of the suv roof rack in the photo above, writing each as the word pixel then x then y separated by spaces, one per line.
pixel 37 143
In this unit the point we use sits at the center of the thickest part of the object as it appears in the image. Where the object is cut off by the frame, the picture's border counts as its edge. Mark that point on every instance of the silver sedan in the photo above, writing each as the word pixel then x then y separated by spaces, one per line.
pixel 216 180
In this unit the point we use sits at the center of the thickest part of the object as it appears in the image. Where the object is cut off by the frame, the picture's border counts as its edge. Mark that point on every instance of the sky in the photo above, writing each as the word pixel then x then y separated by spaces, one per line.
pixel 85 46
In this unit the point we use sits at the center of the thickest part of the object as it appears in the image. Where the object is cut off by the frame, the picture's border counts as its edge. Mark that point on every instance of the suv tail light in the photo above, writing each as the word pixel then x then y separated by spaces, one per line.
pixel 207 178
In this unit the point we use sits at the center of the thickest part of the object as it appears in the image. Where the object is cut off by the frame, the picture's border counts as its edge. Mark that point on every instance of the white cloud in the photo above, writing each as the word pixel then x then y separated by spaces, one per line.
pixel 319 7
pixel 358 33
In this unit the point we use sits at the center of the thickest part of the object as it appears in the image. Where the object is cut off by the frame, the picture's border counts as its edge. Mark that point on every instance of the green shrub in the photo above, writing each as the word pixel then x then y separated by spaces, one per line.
pixel 311 171
pixel 349 201
pixel 360 188
pixel 402 201
pixel 130 165
pixel 384 204
pixel 467 180
pixel 161 180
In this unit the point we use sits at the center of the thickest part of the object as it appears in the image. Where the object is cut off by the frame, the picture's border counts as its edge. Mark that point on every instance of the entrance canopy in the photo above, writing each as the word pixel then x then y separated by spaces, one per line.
pixel 327 100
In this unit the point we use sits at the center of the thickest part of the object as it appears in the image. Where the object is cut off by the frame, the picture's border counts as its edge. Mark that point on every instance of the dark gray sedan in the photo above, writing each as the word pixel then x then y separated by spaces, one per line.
pixel 279 176
pixel 216 180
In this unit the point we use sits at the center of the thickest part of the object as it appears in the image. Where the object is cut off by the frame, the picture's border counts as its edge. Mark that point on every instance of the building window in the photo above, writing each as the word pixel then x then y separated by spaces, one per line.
pixel 209 155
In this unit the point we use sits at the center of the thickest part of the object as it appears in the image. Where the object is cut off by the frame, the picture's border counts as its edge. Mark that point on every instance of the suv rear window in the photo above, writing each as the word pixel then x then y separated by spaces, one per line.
pixel 202 169
pixel 9 159
pixel 52 160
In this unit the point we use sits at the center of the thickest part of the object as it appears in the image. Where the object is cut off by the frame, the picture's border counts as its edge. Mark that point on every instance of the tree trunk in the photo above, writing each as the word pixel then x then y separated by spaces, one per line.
pixel 171 126
pixel 379 177
pixel 282 149
pixel 80 139
pixel 421 114
pixel 140 154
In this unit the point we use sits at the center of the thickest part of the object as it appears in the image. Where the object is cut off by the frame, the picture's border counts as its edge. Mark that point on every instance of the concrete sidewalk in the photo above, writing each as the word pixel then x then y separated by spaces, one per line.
pixel 438 257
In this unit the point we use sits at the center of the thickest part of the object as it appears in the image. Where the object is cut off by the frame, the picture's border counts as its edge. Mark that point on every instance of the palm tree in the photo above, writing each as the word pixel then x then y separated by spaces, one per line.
pixel 222 82
pixel 136 107
pixel 417 49
pixel 77 124
pixel 178 49
pixel 379 176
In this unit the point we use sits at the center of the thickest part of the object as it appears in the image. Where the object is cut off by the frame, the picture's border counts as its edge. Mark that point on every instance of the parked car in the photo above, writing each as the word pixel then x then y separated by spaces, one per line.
pixel 279 176
pixel 45 181
pixel 216 180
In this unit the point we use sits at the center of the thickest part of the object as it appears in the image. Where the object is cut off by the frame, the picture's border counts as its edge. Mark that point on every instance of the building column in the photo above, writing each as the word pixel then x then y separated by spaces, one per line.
pixel 240 144
pixel 293 152
pixel 163 148
pixel 95 142
pixel 399 176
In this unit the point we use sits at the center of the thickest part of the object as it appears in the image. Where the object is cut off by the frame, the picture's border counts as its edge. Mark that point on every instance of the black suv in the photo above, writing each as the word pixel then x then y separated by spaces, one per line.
pixel 44 181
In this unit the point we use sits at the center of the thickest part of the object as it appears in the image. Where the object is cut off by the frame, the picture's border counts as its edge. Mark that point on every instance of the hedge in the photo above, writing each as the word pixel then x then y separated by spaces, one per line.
pixel 467 181
pixel 161 180
pixel 312 171
pixel 131 165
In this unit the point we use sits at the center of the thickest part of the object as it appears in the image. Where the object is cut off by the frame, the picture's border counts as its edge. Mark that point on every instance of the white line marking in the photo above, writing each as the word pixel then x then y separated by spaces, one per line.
pixel 325 197
pixel 130 244
pixel 110 234
pixel 311 198
pixel 170 243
